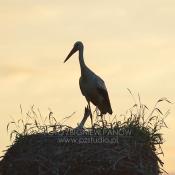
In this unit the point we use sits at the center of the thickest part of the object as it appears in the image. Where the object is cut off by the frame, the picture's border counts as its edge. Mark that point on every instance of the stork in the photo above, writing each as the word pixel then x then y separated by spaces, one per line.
pixel 91 85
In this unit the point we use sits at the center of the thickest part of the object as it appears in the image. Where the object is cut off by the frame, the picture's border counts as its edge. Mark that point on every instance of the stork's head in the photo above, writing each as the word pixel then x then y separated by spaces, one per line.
pixel 77 46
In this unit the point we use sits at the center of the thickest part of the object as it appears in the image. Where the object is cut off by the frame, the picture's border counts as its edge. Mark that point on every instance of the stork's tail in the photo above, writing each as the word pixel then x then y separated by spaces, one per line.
pixel 110 111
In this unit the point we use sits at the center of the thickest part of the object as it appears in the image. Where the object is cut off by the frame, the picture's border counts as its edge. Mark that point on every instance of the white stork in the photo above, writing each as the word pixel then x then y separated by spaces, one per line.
pixel 91 85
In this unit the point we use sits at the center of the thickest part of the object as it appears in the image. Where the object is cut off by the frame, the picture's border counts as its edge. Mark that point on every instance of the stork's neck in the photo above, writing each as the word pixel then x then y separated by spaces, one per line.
pixel 81 60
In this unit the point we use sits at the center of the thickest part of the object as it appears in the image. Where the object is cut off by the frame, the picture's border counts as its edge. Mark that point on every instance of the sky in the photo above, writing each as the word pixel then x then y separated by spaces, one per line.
pixel 130 44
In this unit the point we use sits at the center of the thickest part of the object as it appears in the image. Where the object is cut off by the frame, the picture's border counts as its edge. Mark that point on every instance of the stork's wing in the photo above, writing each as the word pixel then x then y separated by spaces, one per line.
pixel 101 84
pixel 101 88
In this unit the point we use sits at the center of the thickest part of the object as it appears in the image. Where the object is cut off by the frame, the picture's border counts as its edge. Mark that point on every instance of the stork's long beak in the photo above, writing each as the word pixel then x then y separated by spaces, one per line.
pixel 71 53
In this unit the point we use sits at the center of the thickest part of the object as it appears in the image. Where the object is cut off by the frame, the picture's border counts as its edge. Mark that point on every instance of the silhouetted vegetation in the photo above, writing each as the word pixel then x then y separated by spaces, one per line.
pixel 46 146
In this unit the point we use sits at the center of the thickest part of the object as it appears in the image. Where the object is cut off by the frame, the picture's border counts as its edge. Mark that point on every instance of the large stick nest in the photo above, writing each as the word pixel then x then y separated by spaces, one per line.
pixel 130 147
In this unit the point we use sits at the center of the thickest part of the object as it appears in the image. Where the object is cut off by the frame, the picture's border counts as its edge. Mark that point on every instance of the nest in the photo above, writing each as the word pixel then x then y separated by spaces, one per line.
pixel 130 147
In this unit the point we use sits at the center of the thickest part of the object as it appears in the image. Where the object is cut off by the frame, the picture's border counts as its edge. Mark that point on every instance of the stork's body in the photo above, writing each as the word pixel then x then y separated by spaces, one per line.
pixel 91 85
pixel 94 90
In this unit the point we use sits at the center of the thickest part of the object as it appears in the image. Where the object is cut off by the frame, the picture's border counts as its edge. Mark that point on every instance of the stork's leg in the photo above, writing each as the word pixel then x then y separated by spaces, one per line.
pixel 101 115
pixel 90 113
pixel 98 114
pixel 86 115
pixel 96 111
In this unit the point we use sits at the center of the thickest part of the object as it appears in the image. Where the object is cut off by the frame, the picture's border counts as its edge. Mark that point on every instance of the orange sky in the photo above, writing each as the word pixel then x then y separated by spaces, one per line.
pixel 130 44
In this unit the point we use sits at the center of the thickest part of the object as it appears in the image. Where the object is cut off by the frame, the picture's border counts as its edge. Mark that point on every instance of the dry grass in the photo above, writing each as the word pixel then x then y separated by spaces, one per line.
pixel 141 150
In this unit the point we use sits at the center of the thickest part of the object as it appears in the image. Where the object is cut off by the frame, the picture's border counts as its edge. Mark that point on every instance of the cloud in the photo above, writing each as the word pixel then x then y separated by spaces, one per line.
pixel 9 70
